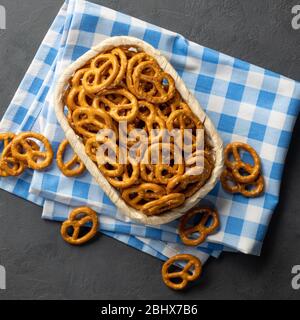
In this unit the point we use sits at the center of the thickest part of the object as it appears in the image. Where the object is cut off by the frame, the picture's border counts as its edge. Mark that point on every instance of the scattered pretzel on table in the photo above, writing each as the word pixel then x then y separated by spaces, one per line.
pixel 21 151
pixel 79 218
pixel 239 176
pixel 209 223
pixel 186 274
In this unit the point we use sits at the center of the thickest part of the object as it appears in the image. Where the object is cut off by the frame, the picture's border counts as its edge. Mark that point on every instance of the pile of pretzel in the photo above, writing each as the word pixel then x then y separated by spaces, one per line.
pixel 25 150
pixel 127 84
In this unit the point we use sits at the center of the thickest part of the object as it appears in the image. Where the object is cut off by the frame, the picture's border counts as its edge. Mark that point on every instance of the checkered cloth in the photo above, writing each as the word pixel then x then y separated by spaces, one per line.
pixel 246 103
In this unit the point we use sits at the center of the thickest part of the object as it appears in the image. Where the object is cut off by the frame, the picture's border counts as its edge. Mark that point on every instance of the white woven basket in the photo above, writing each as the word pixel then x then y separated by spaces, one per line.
pixel 78 146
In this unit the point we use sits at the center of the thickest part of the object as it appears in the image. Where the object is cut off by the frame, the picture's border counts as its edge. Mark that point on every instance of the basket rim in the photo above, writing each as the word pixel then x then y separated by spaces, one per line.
pixel 78 147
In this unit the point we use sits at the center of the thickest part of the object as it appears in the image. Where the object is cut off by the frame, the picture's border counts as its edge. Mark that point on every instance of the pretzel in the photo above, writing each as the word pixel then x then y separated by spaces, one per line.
pixel 165 109
pixel 9 166
pixel 103 71
pixel 163 204
pixel 230 185
pixel 79 218
pixel 186 275
pixel 161 171
pixel 74 167
pixel 157 80
pixel 89 121
pixel 189 184
pixel 132 63
pixel 148 120
pixel 201 228
pixel 128 178
pixel 237 165
pixel 139 195
pixel 123 111
pixel 121 55
pixel 22 149
pixel 76 96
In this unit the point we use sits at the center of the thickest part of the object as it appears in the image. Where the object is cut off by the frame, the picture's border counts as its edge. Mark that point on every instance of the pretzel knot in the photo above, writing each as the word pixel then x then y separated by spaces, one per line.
pixel 25 150
pixel 209 222
pixel 167 163
pixel 79 218
pixel 190 182
pixel 103 71
pixel 191 271
pixel 165 203
pixel 250 190
pixel 237 166
pixel 72 168
pixel 89 121
pixel 123 109
pixel 146 80
pixel 142 194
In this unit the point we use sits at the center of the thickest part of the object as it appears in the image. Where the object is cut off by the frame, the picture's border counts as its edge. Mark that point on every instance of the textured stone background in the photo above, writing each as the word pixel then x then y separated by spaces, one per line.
pixel 40 265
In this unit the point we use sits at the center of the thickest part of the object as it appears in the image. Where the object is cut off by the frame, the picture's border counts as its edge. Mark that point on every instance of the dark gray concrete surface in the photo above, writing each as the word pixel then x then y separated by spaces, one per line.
pixel 41 266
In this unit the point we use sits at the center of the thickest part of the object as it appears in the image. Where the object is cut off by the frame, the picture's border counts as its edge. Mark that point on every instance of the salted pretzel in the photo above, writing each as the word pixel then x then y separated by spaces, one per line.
pixel 132 64
pixel 103 71
pixel 22 149
pixel 191 271
pixel 76 97
pixel 148 119
pixel 73 167
pixel 203 228
pixel 249 190
pixel 157 80
pixel 141 194
pixel 189 183
pixel 163 204
pixel 9 166
pixel 79 218
pixel 129 176
pixel 122 111
pixel 89 121
pixel 237 165
pixel 160 171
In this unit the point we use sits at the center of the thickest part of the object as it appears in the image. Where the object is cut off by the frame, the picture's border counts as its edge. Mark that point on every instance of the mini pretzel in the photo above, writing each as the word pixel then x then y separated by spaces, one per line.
pixel 79 218
pixel 123 111
pixel 161 171
pixel 132 63
pixel 89 121
pixel 9 166
pixel 22 149
pixel 74 167
pixel 186 274
pixel 230 185
pixel 237 165
pixel 77 97
pixel 128 178
pixel 163 204
pixel 120 54
pixel 138 196
pixel 103 71
pixel 163 93
pixel 201 228
pixel 189 184
pixel 148 120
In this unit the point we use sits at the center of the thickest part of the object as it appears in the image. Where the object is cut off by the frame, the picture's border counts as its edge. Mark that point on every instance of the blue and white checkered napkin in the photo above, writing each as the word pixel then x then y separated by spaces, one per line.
pixel 246 103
